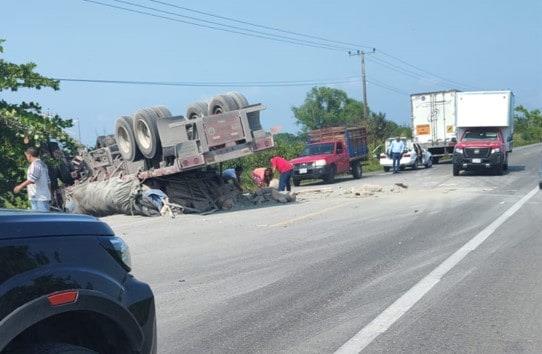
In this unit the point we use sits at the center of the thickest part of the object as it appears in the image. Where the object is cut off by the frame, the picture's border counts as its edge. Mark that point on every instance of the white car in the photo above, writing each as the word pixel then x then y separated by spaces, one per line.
pixel 414 156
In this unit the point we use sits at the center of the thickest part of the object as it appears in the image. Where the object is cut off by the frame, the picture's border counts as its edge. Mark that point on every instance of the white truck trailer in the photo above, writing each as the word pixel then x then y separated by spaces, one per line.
pixel 433 117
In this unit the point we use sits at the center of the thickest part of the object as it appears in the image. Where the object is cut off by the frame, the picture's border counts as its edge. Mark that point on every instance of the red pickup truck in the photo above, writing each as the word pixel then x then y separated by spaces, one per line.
pixel 331 151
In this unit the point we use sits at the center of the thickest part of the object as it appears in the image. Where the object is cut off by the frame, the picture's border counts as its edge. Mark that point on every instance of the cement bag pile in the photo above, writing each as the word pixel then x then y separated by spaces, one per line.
pixel 113 196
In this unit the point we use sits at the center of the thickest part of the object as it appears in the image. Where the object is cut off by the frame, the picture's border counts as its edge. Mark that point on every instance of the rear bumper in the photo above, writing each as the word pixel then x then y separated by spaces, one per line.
pixel 311 173
pixel 467 163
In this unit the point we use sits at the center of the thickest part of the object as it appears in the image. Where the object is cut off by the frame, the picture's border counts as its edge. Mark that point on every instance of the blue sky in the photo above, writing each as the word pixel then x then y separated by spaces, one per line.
pixel 485 44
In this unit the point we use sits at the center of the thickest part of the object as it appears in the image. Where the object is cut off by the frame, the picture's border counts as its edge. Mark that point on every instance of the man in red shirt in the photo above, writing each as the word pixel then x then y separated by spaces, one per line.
pixel 285 168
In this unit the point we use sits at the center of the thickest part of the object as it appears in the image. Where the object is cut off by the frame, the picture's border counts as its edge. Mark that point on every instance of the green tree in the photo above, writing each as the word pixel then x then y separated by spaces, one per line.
pixel 527 126
pixel 22 125
pixel 326 107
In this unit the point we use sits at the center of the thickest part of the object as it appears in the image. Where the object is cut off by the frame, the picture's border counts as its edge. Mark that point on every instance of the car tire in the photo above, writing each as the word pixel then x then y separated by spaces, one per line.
pixel 239 99
pixel 296 182
pixel 221 104
pixel 146 132
pixel 124 135
pixel 330 178
pixel 387 169
pixel 55 348
pixel 435 160
pixel 540 185
pixel 499 169
pixel 415 166
pixel 356 170
pixel 456 170
pixel 197 110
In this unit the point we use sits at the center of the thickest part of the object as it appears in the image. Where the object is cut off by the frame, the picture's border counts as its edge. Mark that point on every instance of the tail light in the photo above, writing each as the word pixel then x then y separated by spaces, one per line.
pixel 406 155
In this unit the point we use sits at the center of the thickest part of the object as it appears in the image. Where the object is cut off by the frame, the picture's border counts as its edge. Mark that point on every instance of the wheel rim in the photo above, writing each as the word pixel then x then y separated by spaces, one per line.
pixel 143 134
pixel 123 140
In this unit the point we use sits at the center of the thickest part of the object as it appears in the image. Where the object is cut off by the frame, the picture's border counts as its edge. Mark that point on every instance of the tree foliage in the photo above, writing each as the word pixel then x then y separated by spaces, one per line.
pixel 527 126
pixel 328 107
pixel 22 125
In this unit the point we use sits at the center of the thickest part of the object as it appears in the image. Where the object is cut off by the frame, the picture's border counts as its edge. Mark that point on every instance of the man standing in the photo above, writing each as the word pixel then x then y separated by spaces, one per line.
pixel 234 175
pixel 397 147
pixel 37 182
pixel 285 168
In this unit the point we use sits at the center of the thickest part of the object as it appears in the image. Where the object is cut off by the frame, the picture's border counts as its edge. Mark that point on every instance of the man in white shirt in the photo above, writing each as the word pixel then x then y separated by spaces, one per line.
pixel 397 147
pixel 37 182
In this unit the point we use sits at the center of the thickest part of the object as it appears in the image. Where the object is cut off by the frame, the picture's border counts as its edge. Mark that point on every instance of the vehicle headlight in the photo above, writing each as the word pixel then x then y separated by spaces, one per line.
pixel 119 250
pixel 320 163
pixel 495 150
pixel 459 150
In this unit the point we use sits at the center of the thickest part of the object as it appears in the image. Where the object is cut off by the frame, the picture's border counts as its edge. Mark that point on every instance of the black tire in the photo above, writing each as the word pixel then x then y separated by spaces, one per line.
pixel 197 110
pixel 296 182
pixel 456 170
pixel 435 160
pixel 540 185
pixel 356 170
pixel 241 100
pixel 387 169
pixel 55 348
pixel 415 166
pixel 330 178
pixel 161 111
pixel 146 132
pixel 402 168
pixel 124 135
pixel 499 169
pixel 221 104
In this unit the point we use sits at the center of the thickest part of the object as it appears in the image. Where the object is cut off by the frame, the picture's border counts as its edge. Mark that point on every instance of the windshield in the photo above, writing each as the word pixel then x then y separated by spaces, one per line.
pixel 318 149
pixel 481 135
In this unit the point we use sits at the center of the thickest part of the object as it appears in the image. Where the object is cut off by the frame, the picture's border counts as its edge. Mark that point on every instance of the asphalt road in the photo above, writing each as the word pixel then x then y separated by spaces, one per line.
pixel 310 276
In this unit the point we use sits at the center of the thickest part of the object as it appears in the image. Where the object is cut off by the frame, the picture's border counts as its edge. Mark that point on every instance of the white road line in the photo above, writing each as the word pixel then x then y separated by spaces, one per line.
pixel 391 314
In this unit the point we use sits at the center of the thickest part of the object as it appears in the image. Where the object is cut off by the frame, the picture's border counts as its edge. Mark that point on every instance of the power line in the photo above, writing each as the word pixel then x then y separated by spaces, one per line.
pixel 241 32
pixel 226 25
pixel 387 87
pixel 349 80
pixel 396 68
pixel 350 44
pixel 260 26
pixel 425 71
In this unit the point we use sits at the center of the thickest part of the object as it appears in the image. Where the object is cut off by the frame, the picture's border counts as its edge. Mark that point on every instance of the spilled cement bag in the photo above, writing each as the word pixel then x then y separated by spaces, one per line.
pixel 113 196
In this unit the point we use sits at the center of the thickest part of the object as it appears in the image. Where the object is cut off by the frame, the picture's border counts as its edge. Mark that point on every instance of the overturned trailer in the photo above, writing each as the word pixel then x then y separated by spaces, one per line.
pixel 174 154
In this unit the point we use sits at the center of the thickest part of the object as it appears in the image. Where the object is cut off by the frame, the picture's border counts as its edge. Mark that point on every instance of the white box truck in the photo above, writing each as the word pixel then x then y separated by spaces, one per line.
pixel 433 117
pixel 485 130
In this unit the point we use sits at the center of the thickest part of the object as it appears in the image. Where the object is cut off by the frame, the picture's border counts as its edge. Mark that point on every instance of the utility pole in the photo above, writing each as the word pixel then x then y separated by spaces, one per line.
pixel 362 53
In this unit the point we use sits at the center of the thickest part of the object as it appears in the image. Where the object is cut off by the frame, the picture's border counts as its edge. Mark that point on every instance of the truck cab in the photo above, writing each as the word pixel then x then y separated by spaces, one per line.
pixel 331 151
pixel 481 148
pixel 321 161
pixel 485 127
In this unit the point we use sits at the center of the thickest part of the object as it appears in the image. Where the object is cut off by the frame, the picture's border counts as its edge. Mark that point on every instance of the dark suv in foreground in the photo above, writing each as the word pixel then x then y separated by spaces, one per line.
pixel 66 287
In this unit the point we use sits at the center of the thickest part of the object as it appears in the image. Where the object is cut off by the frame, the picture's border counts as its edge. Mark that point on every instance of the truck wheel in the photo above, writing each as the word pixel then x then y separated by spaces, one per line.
pixel 146 132
pixel 296 182
pixel 386 169
pixel 241 100
pixel 197 110
pixel 330 178
pixel 124 135
pixel 499 169
pixel 221 104
pixel 456 170
pixel 356 170
pixel 161 111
